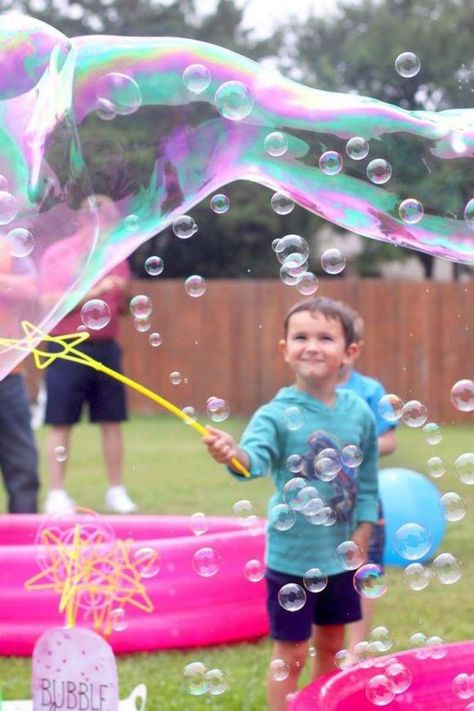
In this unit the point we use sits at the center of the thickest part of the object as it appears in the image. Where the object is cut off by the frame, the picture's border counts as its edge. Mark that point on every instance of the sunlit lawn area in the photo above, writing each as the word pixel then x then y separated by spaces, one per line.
pixel 168 471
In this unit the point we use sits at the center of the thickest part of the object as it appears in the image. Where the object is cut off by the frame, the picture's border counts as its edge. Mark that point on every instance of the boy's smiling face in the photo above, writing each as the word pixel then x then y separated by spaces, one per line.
pixel 315 349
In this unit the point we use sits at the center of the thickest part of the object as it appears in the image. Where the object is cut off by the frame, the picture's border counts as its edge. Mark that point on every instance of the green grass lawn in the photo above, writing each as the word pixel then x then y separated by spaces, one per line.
pixel 169 472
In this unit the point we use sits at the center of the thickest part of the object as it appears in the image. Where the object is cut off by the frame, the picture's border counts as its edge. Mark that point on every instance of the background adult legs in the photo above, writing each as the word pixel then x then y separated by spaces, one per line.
pixel 18 453
pixel 112 444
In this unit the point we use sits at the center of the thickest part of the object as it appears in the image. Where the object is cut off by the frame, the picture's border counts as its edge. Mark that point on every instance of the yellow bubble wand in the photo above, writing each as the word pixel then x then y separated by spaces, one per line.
pixel 68 343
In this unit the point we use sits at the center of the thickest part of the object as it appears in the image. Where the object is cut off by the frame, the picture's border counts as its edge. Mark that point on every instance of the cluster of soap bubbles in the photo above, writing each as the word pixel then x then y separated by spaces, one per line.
pixel 300 496
pixel 292 251
pixel 463 467
pixel 412 413
pixel 367 652
pixel 445 568
pixel 382 688
pixel 199 680
pixel 427 647
pixel 141 308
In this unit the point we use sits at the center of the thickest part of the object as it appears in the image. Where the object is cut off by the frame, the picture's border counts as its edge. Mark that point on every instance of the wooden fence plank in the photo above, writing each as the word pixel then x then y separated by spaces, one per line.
pixel 419 340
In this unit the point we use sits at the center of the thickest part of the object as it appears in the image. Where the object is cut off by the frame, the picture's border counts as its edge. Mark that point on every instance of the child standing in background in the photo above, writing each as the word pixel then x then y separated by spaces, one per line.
pixel 371 391
pixel 318 342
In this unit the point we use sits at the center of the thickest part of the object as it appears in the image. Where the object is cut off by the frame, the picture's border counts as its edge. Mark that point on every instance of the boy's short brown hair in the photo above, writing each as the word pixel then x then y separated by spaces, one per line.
pixel 331 309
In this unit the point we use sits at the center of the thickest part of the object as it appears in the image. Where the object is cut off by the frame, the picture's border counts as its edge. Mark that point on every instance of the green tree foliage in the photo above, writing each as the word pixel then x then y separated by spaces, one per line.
pixel 231 245
pixel 355 49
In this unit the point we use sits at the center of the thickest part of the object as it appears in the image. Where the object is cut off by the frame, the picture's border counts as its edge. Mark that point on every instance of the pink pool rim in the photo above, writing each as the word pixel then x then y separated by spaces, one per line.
pixel 189 610
pixel 431 688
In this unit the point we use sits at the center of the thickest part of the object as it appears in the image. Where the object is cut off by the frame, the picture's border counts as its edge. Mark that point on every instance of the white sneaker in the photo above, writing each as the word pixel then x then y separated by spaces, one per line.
pixel 118 501
pixel 57 500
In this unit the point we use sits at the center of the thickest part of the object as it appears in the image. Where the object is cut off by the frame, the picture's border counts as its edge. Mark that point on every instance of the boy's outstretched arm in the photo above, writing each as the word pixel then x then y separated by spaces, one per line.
pixel 222 447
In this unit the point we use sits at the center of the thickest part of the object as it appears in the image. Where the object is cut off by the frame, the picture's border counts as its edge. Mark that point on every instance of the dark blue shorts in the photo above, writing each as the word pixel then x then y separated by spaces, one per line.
pixel 70 385
pixel 337 604
pixel 377 540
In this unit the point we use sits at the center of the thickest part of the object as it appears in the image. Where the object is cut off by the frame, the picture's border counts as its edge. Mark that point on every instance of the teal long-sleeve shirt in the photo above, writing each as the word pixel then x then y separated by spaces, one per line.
pixel 295 423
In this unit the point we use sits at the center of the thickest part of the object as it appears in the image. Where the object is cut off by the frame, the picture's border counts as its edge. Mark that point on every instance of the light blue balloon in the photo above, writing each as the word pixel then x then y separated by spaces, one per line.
pixel 409 497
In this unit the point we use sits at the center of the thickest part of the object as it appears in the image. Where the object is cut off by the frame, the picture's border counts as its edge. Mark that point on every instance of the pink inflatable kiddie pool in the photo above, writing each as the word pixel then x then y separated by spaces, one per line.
pixel 435 684
pixel 190 610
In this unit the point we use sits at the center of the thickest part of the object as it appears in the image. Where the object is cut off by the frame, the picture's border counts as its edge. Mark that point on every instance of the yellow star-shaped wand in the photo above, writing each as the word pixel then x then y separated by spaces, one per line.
pixel 68 351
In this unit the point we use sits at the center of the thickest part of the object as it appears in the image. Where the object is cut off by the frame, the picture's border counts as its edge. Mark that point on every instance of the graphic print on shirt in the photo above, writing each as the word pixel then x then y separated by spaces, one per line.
pixel 337 483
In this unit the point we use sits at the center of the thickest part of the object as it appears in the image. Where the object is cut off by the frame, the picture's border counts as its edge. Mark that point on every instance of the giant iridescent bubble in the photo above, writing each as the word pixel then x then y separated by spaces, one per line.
pixel 157 124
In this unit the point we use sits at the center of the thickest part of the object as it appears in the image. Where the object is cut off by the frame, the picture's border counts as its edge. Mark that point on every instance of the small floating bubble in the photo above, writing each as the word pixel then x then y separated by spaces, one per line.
pixel 276 144
pixel 357 148
pixel 407 64
pixel 462 395
pixel 411 211
pixel 370 581
pixel 195 286
pixel 282 204
pixel 141 306
pixel 333 261
pixel 155 339
pixel 218 409
pixel 390 407
pixel 196 78
pixel 206 562
pixel 184 227
pixel 292 597
pixel 219 203
pixel 234 100
pixel 307 284
pixel 154 265
pixel 176 378
pixel 414 413
pixel 95 314
pixel 119 92
pixel 379 171
pixel 331 163
pixel 21 242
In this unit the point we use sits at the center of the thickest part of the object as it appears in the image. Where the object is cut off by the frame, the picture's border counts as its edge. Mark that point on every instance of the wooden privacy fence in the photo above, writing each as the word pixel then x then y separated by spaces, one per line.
pixel 419 340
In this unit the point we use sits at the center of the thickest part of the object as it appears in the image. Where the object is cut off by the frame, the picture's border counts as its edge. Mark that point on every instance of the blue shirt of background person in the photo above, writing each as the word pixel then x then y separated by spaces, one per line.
pixel 372 391
pixel 312 414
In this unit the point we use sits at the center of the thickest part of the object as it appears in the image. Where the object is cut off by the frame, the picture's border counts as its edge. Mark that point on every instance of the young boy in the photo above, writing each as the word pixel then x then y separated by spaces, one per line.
pixel 318 342
pixel 371 391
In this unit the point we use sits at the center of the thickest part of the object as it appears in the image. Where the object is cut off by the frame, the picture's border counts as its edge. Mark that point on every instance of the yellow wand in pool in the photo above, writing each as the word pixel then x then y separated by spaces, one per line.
pixel 68 343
